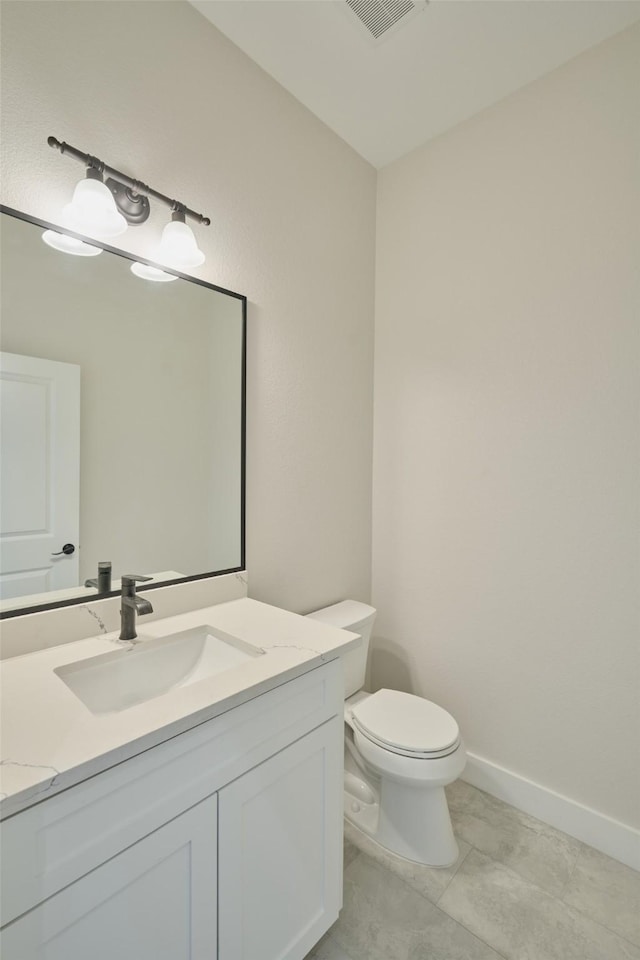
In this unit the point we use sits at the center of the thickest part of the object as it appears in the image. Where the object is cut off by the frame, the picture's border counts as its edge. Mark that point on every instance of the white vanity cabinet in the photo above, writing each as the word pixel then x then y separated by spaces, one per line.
pixel 223 843
pixel 277 852
pixel 155 899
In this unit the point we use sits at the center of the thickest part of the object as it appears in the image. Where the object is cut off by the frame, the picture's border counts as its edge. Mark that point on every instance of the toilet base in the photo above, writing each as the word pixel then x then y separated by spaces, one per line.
pixel 364 816
pixel 419 827
pixel 415 823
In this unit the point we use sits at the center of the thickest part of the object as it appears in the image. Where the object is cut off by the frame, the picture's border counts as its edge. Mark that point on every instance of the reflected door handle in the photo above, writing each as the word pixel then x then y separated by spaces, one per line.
pixel 68 549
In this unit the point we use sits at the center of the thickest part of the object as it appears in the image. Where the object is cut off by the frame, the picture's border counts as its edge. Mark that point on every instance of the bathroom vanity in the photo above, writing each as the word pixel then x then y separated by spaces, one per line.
pixel 202 821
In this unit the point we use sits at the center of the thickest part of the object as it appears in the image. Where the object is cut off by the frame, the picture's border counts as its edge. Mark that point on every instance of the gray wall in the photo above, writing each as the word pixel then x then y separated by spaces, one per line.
pixel 506 468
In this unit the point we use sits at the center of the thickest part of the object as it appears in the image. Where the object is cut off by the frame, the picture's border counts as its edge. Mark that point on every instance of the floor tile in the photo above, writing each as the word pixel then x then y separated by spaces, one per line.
pixel 329 950
pixel 607 891
pixel 522 921
pixel 385 919
pixel 533 849
pixel 351 849
pixel 431 882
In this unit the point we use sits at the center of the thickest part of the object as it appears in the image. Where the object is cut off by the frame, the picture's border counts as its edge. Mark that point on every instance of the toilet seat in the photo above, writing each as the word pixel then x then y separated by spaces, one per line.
pixel 406 725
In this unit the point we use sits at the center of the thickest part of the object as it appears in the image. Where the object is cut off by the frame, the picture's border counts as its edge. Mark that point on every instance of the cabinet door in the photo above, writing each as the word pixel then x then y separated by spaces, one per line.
pixel 154 901
pixel 280 851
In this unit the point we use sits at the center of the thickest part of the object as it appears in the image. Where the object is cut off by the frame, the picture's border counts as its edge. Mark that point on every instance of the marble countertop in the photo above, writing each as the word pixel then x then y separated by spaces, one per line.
pixel 49 740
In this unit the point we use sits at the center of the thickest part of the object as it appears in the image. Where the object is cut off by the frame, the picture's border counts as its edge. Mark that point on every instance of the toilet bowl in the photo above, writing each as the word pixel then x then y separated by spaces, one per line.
pixel 400 752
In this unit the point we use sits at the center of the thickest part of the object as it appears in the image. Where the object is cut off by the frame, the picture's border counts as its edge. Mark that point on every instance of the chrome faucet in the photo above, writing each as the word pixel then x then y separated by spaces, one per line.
pixel 132 603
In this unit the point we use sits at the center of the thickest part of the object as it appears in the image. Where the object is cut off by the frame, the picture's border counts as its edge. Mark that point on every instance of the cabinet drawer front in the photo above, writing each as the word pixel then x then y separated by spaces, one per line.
pixel 52 844
pixel 154 901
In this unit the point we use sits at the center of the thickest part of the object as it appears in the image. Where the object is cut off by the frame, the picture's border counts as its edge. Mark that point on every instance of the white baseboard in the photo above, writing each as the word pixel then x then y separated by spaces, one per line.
pixel 615 839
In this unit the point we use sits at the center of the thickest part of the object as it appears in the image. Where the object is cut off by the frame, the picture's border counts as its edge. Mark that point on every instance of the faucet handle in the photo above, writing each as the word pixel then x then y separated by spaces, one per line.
pixel 128 582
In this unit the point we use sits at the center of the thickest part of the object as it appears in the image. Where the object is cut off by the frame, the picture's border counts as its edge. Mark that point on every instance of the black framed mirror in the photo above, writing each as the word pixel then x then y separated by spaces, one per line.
pixel 123 423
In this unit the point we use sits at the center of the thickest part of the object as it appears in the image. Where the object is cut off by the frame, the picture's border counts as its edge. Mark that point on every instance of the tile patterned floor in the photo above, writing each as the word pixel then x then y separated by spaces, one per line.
pixel 520 890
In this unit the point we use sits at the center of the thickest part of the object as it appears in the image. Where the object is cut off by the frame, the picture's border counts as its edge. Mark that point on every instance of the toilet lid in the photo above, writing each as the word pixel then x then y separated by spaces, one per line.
pixel 405 723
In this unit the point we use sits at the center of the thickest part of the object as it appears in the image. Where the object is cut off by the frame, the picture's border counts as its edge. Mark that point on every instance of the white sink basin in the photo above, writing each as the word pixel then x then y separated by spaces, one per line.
pixel 114 681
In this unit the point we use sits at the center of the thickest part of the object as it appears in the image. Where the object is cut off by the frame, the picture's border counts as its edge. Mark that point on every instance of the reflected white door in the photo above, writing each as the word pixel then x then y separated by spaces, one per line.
pixel 39 474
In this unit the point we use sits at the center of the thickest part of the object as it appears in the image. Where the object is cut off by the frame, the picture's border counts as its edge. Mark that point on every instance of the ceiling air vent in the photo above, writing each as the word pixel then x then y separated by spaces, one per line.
pixel 380 16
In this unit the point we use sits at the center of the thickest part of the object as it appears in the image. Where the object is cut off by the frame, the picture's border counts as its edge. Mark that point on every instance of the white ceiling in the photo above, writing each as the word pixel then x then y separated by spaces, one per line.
pixel 447 63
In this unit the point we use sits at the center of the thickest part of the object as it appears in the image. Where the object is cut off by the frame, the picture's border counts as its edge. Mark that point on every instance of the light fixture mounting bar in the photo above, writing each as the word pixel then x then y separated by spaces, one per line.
pixel 136 186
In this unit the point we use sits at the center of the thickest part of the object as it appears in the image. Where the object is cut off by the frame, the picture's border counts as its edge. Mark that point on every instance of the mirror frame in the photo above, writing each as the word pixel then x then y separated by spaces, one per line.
pixel 75 601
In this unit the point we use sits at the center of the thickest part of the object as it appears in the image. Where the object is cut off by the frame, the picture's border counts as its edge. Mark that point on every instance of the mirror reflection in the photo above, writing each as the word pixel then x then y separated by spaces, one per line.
pixel 122 423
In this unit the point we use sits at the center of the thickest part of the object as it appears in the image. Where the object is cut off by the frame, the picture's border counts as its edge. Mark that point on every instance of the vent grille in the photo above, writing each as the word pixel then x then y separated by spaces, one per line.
pixel 378 16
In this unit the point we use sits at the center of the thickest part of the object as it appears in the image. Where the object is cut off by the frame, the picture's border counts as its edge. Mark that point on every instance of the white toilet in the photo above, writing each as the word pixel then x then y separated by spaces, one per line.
pixel 400 753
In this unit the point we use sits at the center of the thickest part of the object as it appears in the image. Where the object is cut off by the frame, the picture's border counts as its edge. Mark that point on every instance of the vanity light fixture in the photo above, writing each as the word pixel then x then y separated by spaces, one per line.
pixel 93 212
pixel 103 209
pixel 178 246
pixel 178 249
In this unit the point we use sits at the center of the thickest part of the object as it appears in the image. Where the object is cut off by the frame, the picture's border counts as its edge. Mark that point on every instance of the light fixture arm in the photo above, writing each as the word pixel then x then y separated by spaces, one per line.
pixel 136 187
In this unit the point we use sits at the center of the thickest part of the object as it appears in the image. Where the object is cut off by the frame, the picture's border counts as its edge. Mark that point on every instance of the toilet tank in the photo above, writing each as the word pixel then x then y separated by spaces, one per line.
pixel 357 617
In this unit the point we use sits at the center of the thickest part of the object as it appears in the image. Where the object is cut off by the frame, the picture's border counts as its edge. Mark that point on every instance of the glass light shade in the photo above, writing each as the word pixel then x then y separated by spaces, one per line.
pixel 60 241
pixel 93 211
pixel 145 272
pixel 178 247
